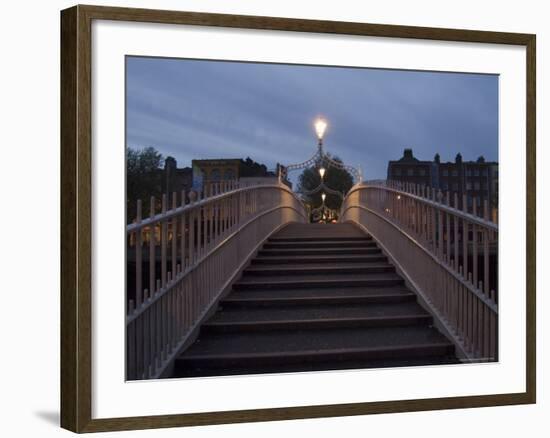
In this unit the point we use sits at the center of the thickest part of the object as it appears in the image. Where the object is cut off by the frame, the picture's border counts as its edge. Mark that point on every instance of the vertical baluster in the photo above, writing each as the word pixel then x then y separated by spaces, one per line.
pixel 474 245
pixel 470 312
pixel 139 266
pixel 183 231
pixel 170 312
pixel 192 236
pixel 448 229
pixel 432 220
pixel 465 237
pixel 211 223
pixel 131 345
pixel 460 323
pixel 486 254
pixel 152 249
pixel 174 235
pixel 440 246
pixel 159 318
pixel 455 228
pixel 153 338
pixel 493 337
pixel 164 243
pixel 425 233
pixel 222 216
pixel 229 212
pixel 140 346
pixel 146 337
pixel 219 218
pixel 199 230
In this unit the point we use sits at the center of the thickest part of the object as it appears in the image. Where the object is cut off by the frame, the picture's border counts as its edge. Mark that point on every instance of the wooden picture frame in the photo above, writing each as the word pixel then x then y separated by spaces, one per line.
pixel 76 217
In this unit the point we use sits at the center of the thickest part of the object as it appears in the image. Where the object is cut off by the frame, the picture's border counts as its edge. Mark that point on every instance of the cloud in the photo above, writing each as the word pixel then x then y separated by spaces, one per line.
pixel 204 109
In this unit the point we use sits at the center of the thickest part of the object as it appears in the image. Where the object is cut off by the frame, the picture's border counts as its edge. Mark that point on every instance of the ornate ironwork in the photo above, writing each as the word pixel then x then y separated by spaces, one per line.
pixel 321 158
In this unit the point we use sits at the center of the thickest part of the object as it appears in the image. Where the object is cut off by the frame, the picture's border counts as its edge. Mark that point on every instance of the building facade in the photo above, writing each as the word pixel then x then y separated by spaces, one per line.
pixel 478 180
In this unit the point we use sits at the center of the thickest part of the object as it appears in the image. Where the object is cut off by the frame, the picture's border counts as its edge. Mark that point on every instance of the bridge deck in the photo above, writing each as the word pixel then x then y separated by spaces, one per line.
pixel 317 297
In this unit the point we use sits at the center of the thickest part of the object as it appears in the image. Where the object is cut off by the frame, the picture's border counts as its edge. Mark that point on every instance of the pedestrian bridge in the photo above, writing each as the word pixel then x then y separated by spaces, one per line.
pixel 237 281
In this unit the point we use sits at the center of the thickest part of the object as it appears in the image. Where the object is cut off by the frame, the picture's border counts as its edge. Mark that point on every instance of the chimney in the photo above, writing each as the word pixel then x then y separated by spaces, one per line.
pixel 408 154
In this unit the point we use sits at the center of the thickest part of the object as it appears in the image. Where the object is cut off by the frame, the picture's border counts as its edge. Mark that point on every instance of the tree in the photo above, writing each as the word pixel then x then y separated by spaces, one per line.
pixel 143 178
pixel 335 179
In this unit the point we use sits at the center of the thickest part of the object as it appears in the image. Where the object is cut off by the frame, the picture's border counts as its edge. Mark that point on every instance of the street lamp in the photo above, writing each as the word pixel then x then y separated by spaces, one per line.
pixel 322 171
pixel 320 128
pixel 323 197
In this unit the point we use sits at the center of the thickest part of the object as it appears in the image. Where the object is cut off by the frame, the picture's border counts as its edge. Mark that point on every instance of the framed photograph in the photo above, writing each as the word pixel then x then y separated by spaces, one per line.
pixel 270 218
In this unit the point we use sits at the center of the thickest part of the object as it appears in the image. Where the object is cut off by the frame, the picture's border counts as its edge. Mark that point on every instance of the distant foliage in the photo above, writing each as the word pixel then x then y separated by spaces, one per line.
pixel 336 179
pixel 250 168
pixel 143 179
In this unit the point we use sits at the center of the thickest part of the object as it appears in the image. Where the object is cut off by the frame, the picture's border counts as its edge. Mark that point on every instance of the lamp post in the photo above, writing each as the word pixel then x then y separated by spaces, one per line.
pixel 320 128
pixel 322 171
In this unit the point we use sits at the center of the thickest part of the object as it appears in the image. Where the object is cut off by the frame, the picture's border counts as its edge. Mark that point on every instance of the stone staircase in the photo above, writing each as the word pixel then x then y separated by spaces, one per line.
pixel 316 297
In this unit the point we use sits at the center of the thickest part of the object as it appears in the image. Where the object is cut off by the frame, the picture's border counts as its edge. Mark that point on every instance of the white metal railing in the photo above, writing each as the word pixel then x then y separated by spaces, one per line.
pixel 185 256
pixel 446 250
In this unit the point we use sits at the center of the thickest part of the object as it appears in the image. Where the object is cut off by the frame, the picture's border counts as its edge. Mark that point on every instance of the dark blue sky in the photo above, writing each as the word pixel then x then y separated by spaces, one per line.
pixel 210 109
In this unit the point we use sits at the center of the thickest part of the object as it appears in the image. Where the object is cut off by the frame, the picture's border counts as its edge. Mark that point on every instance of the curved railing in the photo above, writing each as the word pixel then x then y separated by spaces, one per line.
pixel 186 256
pixel 447 252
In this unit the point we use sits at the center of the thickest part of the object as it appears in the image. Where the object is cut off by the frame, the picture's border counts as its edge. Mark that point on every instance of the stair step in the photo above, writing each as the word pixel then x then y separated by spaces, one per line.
pixel 320 239
pixel 306 324
pixel 317 316
pixel 316 297
pixel 319 230
pixel 308 312
pixel 319 244
pixel 287 270
pixel 269 358
pixel 258 349
pixel 317 281
pixel 318 251
pixel 312 296
pixel 204 371
pixel 319 259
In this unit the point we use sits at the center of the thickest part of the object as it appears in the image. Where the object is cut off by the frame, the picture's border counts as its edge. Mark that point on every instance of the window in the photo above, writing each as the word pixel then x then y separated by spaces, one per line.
pixel 445 172
pixel 455 187
pixel 229 174
pixel 484 172
pixel 397 171
pixel 468 186
pixel 455 172
pixel 476 172
pixel 468 172
pixel 422 172
pixel 476 186
pixel 215 174
pixel 444 186
pixel 410 172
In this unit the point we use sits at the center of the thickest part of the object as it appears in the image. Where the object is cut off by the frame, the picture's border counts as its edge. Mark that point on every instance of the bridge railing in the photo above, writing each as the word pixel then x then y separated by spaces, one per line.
pixel 181 259
pixel 446 250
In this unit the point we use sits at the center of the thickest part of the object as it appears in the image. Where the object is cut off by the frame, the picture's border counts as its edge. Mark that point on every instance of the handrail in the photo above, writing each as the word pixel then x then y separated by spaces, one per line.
pixel 447 208
pixel 219 245
pixel 449 252
pixel 135 226
pixel 487 301
pixel 185 256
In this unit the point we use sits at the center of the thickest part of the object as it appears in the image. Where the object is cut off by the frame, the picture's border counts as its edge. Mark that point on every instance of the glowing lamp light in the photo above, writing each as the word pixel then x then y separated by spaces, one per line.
pixel 320 127
pixel 322 171
pixel 323 197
